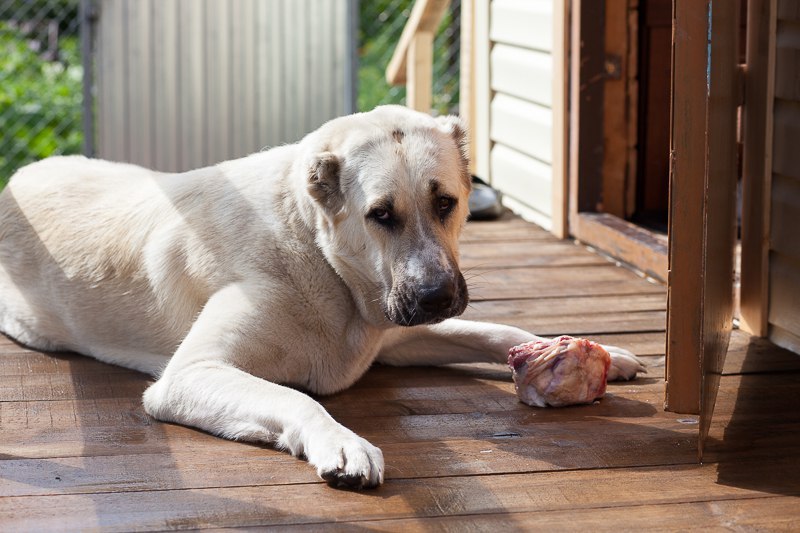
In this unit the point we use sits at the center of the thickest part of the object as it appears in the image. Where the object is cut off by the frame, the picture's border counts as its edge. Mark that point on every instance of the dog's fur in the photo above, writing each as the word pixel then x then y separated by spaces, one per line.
pixel 238 284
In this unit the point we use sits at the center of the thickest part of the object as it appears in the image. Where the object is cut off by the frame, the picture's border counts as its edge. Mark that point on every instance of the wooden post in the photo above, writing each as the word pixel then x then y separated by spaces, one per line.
pixel 702 203
pixel 419 72
pixel 757 164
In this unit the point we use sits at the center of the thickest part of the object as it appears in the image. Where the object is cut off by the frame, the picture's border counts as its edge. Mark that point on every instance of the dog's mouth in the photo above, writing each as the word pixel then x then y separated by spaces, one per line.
pixel 415 306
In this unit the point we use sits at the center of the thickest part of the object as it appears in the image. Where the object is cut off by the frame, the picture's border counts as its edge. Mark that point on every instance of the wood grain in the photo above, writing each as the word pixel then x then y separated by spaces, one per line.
pixel 77 450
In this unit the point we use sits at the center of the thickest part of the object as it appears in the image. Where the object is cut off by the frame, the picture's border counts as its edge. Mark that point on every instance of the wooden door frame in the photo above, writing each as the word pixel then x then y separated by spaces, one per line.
pixel 637 246
pixel 757 165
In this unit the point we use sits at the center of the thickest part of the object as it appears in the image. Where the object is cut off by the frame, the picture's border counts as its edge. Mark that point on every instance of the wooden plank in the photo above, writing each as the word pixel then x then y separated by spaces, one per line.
pixel 754 355
pixel 523 73
pixel 584 325
pixel 559 211
pixel 519 253
pixel 784 292
pixel 261 506
pixel 425 17
pixel 481 166
pixel 419 75
pixel 786 123
pixel 507 227
pixel 787 60
pixel 784 208
pixel 467 106
pixel 522 23
pixel 427 410
pixel 632 128
pixel 720 203
pixel 788 10
pixel 580 307
pixel 522 125
pixel 689 109
pixel 522 177
pixel 248 465
pixel 757 165
pixel 767 513
pixel 587 68
pixel 567 281
pixel 615 106
pixel 632 244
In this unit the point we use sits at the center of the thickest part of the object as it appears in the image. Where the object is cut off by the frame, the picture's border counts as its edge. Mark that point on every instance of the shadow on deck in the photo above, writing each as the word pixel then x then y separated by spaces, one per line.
pixel 78 451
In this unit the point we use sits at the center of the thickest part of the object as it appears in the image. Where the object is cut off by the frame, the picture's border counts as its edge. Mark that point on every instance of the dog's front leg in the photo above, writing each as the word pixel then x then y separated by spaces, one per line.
pixel 202 387
pixel 466 341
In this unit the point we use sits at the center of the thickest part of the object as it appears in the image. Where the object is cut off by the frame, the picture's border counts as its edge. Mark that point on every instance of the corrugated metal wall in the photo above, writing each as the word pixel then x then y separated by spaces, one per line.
pixel 186 83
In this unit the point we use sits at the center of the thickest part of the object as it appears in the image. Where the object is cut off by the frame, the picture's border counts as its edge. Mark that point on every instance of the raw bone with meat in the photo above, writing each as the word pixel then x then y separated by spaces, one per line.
pixel 558 372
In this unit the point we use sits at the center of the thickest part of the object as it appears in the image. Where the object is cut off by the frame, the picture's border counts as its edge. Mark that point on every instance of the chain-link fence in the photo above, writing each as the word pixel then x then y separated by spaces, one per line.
pixel 381 24
pixel 40 82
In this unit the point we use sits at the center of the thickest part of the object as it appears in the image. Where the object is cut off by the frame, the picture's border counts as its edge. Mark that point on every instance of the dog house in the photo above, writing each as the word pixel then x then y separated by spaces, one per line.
pixel 634 126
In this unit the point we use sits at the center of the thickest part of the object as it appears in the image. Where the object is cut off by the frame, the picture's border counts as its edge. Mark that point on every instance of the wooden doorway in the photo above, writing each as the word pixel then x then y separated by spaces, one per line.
pixel 653 158
pixel 619 150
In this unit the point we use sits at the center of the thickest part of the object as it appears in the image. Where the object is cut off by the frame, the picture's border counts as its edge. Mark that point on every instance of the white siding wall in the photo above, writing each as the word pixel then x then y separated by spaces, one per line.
pixel 520 126
pixel 784 256
pixel 186 83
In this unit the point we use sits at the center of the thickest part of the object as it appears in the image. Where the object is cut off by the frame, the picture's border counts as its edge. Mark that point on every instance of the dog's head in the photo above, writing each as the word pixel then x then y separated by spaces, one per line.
pixel 392 189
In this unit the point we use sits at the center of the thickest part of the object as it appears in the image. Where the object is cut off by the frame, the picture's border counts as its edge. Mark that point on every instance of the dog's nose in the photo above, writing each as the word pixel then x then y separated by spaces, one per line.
pixel 437 298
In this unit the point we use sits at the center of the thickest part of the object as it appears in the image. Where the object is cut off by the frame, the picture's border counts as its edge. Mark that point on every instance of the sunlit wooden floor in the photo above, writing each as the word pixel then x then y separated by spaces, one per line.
pixel 78 452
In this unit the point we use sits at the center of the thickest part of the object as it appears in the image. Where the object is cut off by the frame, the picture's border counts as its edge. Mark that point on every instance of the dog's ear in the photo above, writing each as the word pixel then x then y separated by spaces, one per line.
pixel 323 181
pixel 458 131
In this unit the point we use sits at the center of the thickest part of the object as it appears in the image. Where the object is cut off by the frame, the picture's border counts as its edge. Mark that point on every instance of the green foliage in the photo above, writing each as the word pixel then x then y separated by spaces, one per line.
pixel 381 23
pixel 40 102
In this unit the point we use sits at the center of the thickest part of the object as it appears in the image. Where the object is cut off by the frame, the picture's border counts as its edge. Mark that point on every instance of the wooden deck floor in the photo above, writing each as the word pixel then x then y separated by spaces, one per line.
pixel 78 452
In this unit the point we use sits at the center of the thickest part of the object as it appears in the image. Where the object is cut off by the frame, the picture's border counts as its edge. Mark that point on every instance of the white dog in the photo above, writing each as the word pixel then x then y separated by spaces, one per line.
pixel 237 284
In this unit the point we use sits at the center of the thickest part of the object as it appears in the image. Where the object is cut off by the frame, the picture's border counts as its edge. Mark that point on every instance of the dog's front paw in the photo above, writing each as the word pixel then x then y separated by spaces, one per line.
pixel 624 365
pixel 346 460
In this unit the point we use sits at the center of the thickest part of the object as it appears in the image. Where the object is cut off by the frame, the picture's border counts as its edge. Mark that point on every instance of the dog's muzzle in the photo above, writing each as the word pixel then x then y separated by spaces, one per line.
pixel 413 305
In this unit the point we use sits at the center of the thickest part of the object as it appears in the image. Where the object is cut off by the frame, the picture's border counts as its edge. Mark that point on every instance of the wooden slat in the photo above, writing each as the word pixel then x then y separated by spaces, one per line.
pixel 785 207
pixel 720 211
pixel 481 124
pixel 559 223
pixel 784 292
pixel 260 506
pixel 506 228
pixel 526 74
pixel 419 75
pixel 757 165
pixel 754 355
pixel 615 118
pixel 518 253
pixel 774 514
pixel 524 178
pixel 522 23
pixel 786 160
pixel 566 281
pixel 522 125
pixel 78 451
pixel 586 85
pixel 425 17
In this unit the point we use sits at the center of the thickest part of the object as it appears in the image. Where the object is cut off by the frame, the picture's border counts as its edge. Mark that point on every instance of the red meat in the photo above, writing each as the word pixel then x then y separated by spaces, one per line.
pixel 560 371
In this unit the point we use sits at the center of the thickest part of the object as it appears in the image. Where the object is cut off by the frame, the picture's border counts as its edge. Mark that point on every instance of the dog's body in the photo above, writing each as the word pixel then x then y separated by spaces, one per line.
pixel 235 285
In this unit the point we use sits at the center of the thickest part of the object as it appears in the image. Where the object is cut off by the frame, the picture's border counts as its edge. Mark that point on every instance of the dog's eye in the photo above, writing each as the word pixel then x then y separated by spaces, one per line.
pixel 445 205
pixel 381 216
